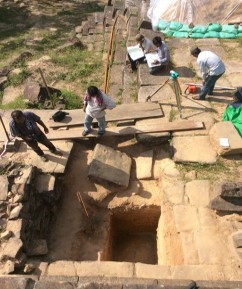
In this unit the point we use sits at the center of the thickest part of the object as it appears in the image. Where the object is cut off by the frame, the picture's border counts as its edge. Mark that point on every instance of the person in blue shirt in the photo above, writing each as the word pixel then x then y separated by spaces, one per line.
pixel 212 68
pixel 163 54
pixel 25 126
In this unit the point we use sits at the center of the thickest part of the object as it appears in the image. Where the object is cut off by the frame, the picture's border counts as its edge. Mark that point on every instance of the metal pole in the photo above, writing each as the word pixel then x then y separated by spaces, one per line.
pixel 178 99
pixel 4 128
pixel 47 89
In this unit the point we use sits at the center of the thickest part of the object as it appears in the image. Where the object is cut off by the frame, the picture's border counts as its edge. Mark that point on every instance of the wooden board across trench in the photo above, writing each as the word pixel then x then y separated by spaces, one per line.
pixel 119 113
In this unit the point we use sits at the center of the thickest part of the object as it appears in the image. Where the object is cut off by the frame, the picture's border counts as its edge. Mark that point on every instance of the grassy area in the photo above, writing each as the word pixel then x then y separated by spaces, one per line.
pixel 222 169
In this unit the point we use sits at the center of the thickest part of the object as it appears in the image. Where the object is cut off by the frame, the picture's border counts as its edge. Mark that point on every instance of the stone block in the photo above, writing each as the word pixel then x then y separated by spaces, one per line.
pixel 174 191
pixel 6 235
pixel 61 268
pixel 37 248
pixel 193 149
pixel 189 248
pixel 237 238
pixel 14 214
pixel 198 192
pixel 229 205
pixel 45 184
pixel 16 226
pixel 3 188
pixel 54 284
pixel 144 165
pixel 107 269
pixel 227 130
pixel 209 246
pixel 151 139
pixel 99 17
pixel 13 145
pixel 231 190
pixel 108 11
pixel 12 248
pixel 186 218
pixel 197 272
pixel 152 271
pixel 109 165
pixel 16 283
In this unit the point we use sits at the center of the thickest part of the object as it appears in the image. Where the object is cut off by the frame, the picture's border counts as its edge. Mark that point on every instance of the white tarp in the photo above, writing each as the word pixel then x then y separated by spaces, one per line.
pixel 195 11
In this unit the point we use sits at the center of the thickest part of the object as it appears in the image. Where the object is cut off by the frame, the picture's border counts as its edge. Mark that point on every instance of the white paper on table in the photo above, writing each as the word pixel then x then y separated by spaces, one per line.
pixel 135 52
pixel 151 57
pixel 224 142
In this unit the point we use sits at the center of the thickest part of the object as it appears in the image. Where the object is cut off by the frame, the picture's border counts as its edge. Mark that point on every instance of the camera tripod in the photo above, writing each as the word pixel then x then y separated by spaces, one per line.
pixel 176 88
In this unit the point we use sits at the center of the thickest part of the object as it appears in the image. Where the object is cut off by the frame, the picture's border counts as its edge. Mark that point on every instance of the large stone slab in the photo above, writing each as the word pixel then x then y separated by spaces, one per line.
pixel 3 188
pixel 197 192
pixel 109 165
pixel 193 149
pixel 144 165
pixel 61 268
pixel 227 130
pixel 165 95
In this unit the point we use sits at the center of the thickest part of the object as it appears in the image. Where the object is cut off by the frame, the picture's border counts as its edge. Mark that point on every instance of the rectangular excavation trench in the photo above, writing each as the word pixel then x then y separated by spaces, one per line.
pixel 133 236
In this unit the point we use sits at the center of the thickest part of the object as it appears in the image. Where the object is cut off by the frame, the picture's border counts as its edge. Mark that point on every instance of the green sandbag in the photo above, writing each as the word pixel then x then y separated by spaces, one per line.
pixel 162 25
pixel 175 26
pixel 196 35
pixel 229 29
pixel 185 28
pixel 211 34
pixel 214 27
pixel 199 29
pixel 167 32
pixel 240 29
pixel 179 34
pixel 239 35
pixel 227 35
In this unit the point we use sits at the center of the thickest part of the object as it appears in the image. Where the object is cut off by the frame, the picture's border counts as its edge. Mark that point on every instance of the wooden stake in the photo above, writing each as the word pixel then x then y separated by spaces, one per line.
pixel 82 203
pixel 47 88
pixel 4 128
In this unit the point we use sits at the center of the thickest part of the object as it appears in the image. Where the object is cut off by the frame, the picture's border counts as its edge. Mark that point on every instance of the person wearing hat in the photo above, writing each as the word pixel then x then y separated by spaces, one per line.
pixel 233 111
pixel 212 68
pixel 163 54
pixel 146 45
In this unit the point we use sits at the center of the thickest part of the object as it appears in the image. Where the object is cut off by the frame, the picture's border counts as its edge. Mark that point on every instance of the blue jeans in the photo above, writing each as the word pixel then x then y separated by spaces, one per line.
pixel 209 85
pixel 101 123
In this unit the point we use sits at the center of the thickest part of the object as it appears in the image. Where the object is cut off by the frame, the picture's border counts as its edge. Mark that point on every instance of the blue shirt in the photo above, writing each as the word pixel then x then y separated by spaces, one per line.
pixel 28 128
pixel 164 54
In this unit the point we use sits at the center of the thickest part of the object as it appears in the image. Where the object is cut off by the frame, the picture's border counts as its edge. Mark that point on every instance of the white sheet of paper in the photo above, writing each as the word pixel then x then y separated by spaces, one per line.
pixel 151 57
pixel 135 52
pixel 224 142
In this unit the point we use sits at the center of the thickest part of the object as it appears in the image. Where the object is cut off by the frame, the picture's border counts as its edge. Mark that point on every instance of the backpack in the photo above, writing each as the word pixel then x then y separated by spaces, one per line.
pixel 59 115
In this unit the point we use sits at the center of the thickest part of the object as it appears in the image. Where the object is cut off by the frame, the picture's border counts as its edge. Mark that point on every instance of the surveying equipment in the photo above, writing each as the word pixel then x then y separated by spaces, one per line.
pixel 176 87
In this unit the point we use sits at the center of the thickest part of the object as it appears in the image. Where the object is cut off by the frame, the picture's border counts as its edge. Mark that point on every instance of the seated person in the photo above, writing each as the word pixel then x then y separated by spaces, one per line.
pixel 233 111
pixel 163 54
pixel 146 45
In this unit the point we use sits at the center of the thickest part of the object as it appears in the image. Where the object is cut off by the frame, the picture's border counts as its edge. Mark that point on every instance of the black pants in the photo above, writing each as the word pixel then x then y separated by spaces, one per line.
pixel 41 138
pixel 133 62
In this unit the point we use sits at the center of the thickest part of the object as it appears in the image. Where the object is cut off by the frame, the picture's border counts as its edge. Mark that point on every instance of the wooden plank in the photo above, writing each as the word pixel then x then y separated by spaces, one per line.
pixel 129 130
pixel 120 113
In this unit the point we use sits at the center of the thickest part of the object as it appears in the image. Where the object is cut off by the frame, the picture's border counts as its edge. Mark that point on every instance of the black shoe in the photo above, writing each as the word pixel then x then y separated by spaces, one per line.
pixel 58 153
pixel 84 133
pixel 100 134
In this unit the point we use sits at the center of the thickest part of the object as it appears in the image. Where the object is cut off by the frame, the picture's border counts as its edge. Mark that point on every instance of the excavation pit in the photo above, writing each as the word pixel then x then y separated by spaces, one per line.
pixel 133 236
